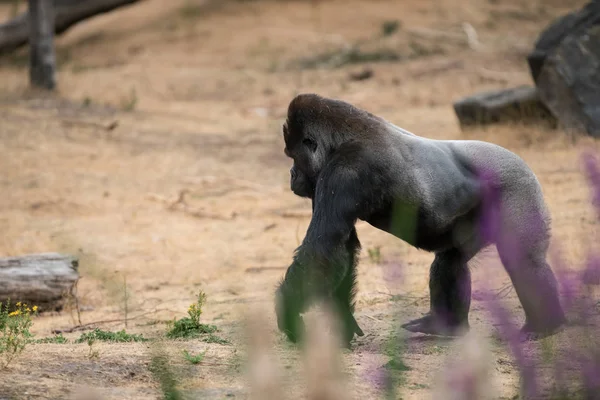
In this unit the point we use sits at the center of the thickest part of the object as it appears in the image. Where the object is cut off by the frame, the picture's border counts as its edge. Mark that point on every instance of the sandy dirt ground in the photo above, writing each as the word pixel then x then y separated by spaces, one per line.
pixel 199 92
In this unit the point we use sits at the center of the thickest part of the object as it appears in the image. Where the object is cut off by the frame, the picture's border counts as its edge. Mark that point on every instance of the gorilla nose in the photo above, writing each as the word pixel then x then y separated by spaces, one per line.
pixel 293 173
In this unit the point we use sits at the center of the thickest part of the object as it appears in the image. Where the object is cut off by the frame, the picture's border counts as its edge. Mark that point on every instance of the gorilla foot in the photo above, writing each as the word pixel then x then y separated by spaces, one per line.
pixel 294 331
pixel 528 333
pixel 350 328
pixel 434 326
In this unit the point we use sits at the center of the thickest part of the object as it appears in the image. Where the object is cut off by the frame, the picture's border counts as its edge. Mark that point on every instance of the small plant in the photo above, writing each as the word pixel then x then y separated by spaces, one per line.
pixel 126 297
pixel 14 330
pixel 195 310
pixel 92 353
pixel 56 339
pixel 107 336
pixel 212 338
pixel 191 327
pixel 194 359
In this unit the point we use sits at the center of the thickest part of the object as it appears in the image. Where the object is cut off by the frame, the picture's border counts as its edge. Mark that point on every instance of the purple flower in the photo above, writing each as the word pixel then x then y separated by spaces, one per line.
pixel 592 170
pixel 512 255
pixel 568 282
pixel 591 274
pixel 393 272
pixel 590 371
pixel 490 215
pixel 512 335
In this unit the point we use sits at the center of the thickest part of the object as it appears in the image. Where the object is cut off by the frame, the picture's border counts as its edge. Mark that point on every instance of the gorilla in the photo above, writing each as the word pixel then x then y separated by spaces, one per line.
pixel 429 193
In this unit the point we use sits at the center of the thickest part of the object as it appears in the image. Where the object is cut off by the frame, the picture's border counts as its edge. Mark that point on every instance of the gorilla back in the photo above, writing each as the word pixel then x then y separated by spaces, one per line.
pixel 429 193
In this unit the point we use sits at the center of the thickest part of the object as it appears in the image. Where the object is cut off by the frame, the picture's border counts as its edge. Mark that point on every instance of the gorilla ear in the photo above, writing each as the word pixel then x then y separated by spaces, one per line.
pixel 285 130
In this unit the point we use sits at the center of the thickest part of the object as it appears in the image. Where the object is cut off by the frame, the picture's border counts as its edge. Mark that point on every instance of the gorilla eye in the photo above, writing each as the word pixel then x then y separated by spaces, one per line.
pixel 311 144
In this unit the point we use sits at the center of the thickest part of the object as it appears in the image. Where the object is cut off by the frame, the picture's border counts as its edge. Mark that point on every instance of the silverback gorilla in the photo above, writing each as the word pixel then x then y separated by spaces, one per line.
pixel 355 165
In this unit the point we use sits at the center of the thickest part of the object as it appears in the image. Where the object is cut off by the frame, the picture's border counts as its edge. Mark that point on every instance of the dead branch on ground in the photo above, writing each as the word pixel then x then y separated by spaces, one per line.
pixel 15 32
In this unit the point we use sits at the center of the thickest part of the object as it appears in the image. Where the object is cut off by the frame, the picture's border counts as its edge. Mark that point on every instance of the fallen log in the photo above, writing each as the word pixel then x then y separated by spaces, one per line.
pixel 44 280
pixel 15 33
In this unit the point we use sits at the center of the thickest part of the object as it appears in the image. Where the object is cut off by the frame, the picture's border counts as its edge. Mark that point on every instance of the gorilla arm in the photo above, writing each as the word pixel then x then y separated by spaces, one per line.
pixel 324 258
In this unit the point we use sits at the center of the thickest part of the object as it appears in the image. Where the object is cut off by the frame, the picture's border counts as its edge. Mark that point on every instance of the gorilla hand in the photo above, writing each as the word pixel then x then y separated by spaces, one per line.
pixel 288 311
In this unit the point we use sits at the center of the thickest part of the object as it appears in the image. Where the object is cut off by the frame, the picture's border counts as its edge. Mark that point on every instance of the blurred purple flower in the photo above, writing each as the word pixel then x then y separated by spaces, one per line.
pixel 568 282
pixel 590 371
pixel 490 213
pixel 590 163
pixel 511 334
pixel 393 272
pixel 489 228
pixel 377 375
pixel 591 274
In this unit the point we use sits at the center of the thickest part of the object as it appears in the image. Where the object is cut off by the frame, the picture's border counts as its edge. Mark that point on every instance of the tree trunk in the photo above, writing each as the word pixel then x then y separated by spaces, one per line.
pixel 42 61
pixel 15 33
pixel 43 280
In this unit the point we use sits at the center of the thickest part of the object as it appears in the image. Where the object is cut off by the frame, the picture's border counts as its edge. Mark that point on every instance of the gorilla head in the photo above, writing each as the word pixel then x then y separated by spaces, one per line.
pixel 315 127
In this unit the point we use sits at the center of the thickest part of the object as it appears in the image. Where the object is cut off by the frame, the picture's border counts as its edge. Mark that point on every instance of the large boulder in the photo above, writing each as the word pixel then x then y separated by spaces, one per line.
pixel 569 81
pixel 575 23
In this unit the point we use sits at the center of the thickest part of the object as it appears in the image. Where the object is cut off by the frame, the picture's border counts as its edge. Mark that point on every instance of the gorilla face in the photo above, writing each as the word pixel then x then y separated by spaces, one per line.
pixel 304 151
pixel 300 184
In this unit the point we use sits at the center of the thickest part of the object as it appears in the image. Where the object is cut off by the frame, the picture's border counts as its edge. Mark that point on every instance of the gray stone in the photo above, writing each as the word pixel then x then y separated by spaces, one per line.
pixel 521 104
pixel 572 24
pixel 569 82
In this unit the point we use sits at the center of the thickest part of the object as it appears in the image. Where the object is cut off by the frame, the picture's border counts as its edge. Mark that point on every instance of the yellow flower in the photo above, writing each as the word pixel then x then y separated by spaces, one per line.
pixel 35 308
pixel 19 304
pixel 15 313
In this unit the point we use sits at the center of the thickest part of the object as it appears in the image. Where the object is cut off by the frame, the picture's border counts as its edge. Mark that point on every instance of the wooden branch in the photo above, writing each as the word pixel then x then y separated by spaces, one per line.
pixel 44 280
pixel 15 33
pixel 42 61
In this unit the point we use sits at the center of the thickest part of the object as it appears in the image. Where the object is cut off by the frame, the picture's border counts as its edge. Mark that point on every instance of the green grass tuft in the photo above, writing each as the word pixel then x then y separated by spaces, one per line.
pixel 56 339
pixel 188 328
pixel 107 336
pixel 194 359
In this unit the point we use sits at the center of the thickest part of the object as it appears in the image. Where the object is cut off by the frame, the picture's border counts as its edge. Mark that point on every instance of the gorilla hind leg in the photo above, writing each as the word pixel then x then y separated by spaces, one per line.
pixel 450 297
pixel 524 258
pixel 522 240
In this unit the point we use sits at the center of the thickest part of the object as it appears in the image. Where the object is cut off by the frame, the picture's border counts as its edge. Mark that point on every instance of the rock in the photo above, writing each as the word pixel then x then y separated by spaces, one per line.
pixel 520 104
pixel 574 23
pixel 569 82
